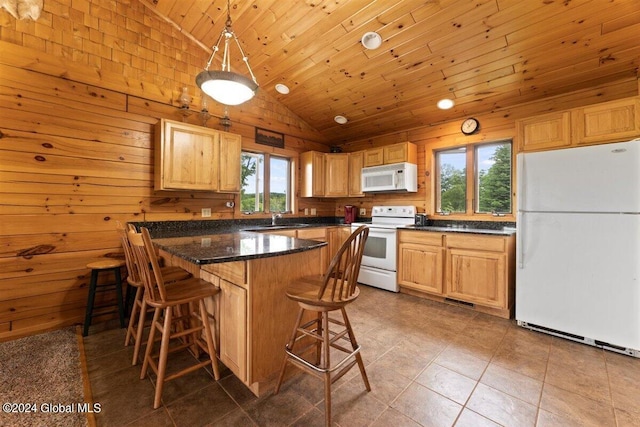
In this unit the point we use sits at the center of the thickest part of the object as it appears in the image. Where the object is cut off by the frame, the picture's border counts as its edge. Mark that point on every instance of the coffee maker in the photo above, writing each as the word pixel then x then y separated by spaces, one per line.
pixel 349 214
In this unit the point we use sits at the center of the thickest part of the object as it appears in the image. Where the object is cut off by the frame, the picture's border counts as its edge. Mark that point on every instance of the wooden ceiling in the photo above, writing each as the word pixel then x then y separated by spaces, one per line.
pixel 483 54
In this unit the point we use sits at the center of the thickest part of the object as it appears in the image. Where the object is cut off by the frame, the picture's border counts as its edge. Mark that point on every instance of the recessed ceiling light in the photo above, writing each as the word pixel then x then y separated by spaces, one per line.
pixel 445 104
pixel 340 119
pixel 282 88
pixel 371 40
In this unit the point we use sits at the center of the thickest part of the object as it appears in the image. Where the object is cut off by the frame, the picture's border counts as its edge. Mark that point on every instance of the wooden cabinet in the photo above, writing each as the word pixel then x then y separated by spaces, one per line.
pixel 471 268
pixel 544 132
pixel 421 261
pixel 613 121
pixel 233 328
pixel 336 177
pixel 374 157
pixel 230 163
pixel 312 174
pixel 336 236
pixel 356 161
pixel 394 153
pixel 330 174
pixel 189 157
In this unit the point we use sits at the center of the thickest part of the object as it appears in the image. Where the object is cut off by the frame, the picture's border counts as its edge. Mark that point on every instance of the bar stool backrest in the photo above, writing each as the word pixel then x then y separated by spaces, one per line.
pixel 132 269
pixel 341 277
pixel 149 267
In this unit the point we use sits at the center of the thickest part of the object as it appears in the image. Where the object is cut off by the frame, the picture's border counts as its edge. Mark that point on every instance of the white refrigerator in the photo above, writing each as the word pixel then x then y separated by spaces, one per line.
pixel 578 244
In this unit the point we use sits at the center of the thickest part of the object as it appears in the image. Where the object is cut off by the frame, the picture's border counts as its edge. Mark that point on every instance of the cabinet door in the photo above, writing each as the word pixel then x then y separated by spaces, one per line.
pixel 477 277
pixel 356 160
pixel 189 157
pixel 230 155
pixel 311 174
pixel 403 152
pixel 544 132
pixel 613 121
pixel 421 267
pixel 233 328
pixel 336 175
pixel 374 157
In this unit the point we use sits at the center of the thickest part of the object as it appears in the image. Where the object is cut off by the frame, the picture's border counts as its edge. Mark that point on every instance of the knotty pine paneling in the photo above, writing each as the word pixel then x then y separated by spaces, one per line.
pixel 76 149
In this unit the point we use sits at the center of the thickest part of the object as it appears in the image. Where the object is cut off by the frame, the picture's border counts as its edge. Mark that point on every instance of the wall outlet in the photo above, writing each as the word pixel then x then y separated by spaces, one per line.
pixel 306 211
pixel 313 211
pixel 206 212
pixel 363 211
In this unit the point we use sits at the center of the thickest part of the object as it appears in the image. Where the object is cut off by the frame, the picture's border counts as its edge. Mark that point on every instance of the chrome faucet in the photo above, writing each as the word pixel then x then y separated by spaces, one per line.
pixel 275 216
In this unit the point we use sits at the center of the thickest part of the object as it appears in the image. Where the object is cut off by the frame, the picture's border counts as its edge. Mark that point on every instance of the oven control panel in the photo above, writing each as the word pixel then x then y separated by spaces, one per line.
pixel 394 211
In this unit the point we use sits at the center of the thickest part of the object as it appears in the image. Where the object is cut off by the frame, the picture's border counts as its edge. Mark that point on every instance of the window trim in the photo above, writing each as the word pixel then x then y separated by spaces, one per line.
pixel 471 191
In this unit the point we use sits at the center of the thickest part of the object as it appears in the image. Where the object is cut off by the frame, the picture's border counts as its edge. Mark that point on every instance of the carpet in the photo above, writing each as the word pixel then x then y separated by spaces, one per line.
pixel 43 381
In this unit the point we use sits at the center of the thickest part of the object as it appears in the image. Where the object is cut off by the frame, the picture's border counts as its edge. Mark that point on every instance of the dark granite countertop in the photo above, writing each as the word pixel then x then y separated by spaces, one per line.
pixel 235 246
pixel 506 231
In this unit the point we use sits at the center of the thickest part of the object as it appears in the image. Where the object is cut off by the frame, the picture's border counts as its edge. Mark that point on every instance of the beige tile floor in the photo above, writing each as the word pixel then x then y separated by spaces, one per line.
pixel 429 364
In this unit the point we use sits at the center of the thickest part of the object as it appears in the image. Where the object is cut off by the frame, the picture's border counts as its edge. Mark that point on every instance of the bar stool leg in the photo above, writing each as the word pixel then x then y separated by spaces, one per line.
pixel 90 300
pixel 119 295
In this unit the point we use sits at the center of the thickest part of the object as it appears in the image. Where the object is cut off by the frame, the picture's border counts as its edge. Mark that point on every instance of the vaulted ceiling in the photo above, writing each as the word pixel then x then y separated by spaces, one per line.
pixel 482 54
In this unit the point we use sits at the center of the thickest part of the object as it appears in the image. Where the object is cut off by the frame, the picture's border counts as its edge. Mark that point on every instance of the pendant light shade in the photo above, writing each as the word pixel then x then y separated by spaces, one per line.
pixel 226 86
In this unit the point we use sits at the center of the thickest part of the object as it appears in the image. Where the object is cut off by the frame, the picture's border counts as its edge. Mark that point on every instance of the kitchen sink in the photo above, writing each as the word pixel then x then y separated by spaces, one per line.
pixel 276 227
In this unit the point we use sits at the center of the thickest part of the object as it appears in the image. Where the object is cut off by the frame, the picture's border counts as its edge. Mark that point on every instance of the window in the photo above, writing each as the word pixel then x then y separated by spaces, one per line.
pixel 263 174
pixel 493 178
pixel 489 187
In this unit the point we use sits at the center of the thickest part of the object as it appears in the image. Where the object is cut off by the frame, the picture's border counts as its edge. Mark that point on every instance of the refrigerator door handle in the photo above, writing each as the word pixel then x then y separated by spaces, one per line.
pixel 520 184
pixel 520 240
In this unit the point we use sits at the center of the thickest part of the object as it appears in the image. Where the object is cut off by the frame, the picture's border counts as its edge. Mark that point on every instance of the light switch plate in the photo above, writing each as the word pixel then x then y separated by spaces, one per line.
pixel 306 211
pixel 363 211
pixel 206 212
pixel 313 211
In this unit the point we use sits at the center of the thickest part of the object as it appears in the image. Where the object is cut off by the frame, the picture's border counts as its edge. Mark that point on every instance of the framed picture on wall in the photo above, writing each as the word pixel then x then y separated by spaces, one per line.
pixel 268 137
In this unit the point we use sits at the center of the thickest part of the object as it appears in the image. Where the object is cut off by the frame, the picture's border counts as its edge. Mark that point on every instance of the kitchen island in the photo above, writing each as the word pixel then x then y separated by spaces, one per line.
pixel 254 315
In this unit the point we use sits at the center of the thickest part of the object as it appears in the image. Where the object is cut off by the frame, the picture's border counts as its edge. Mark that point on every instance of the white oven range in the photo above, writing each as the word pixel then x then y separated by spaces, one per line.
pixel 378 266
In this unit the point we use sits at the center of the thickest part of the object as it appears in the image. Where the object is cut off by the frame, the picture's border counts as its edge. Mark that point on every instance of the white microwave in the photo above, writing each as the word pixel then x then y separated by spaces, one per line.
pixel 394 177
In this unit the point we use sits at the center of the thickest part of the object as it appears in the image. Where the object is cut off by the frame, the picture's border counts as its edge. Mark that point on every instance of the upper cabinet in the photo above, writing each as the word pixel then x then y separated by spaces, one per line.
pixel 389 154
pixel 330 174
pixel 189 157
pixel 613 121
pixel 544 132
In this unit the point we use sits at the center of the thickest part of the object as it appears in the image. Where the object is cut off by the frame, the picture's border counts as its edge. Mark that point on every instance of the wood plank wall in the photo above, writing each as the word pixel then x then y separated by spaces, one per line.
pixel 80 92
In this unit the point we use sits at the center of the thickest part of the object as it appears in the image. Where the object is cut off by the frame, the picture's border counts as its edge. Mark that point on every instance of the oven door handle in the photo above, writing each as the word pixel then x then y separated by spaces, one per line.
pixel 377 230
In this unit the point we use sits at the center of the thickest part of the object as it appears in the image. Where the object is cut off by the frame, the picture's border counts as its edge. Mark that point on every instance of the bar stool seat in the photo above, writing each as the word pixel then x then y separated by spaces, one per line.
pixel 97 267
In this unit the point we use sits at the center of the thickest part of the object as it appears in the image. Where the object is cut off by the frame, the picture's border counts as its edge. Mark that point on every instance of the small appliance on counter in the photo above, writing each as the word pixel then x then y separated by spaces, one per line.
pixel 349 214
pixel 421 220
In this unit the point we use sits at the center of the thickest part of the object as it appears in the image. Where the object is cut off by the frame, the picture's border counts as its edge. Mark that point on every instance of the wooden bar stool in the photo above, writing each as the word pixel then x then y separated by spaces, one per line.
pixel 97 267
pixel 135 327
pixel 184 317
pixel 323 295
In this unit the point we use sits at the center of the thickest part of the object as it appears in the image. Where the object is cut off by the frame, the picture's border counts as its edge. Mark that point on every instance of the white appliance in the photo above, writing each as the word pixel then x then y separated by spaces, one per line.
pixel 378 267
pixel 578 244
pixel 394 177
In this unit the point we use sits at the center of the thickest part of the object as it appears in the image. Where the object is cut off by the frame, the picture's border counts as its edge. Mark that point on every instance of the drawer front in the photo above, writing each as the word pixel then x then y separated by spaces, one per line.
pixel 421 237
pixel 234 272
pixel 475 241
pixel 313 234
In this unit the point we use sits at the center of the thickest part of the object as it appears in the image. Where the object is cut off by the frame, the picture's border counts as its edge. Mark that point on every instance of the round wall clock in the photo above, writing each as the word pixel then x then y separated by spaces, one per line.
pixel 470 126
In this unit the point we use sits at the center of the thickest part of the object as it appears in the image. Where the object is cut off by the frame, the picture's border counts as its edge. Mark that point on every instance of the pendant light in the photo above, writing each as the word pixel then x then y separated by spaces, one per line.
pixel 225 86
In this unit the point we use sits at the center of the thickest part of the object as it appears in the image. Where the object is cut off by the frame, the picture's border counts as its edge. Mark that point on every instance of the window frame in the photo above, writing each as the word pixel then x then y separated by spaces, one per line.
pixel 290 200
pixel 472 189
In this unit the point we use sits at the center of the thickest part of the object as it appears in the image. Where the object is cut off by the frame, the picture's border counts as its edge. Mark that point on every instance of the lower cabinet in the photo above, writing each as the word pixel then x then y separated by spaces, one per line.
pixel 421 264
pixel 233 328
pixel 470 268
